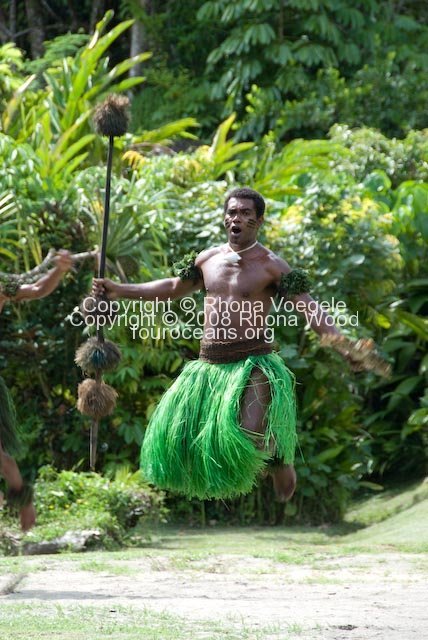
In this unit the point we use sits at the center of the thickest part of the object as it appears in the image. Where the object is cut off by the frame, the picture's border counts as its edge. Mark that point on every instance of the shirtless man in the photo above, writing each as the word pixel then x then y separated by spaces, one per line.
pixel 20 493
pixel 233 275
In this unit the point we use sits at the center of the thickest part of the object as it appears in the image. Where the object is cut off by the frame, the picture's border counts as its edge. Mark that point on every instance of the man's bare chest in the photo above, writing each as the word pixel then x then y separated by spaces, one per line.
pixel 242 280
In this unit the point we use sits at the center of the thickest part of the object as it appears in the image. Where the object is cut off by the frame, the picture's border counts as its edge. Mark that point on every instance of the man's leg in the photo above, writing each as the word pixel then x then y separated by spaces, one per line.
pixel 10 472
pixel 254 406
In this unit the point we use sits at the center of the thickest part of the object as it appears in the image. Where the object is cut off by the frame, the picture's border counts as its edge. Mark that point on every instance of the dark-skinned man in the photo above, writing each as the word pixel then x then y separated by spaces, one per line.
pixel 20 493
pixel 230 415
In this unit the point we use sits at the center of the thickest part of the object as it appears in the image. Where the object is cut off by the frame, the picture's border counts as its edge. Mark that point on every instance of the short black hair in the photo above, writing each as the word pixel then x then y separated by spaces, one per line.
pixel 250 194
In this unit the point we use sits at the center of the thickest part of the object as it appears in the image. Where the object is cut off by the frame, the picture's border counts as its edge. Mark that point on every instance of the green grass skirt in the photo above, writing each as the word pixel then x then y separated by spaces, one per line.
pixel 9 436
pixel 194 443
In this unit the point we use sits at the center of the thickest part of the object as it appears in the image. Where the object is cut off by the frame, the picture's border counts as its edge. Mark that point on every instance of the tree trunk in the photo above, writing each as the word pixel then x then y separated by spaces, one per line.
pixel 136 46
pixel 138 40
pixel 36 27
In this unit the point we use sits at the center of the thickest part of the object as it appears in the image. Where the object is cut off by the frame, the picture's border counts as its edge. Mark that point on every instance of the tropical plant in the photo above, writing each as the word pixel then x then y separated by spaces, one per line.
pixel 8 231
pixel 11 64
pixel 289 67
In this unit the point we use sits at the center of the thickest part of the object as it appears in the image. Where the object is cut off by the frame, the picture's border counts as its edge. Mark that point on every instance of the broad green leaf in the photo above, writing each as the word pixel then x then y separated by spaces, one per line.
pixel 417 324
pixel 329 454
pixel 72 150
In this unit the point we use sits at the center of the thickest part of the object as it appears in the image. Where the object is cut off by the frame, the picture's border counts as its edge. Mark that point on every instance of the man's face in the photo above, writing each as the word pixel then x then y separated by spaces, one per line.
pixel 241 221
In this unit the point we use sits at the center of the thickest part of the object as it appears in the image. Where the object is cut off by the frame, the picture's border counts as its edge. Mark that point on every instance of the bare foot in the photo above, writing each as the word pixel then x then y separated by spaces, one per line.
pixel 284 482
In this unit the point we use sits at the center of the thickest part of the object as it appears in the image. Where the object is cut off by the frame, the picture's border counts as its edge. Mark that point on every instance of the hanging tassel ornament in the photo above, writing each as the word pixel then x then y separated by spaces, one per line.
pixel 97 355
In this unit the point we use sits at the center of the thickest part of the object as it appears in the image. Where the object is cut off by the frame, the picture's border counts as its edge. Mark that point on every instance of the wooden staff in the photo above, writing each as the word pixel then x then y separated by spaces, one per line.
pixel 111 120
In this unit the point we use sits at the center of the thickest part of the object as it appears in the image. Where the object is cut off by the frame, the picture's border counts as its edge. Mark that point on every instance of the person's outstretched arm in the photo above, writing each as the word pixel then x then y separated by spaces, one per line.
pixel 189 278
pixel 166 289
pixel 48 282
pixel 361 354
pixel 320 321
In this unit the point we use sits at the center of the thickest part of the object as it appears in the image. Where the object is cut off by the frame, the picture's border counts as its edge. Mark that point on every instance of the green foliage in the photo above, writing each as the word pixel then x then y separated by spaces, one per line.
pixel 175 85
pixel 63 46
pixel 69 500
pixel 298 69
pixel 386 94
pixel 399 419
pixel 55 120
pixel 170 94
pixel 11 64
pixel 8 231
pixel 295 68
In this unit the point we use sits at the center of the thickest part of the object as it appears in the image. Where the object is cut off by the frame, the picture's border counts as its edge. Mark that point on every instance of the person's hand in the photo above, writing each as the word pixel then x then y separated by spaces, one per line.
pixel 27 516
pixel 63 260
pixel 361 354
pixel 103 287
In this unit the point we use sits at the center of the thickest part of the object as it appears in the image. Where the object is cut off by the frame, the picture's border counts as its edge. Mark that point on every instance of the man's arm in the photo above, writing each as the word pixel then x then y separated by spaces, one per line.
pixel 47 283
pixel 188 280
pixel 361 354
pixel 319 321
pixel 166 289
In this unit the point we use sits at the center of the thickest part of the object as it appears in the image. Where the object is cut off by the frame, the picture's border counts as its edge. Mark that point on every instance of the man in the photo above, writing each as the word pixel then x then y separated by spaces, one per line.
pixel 231 414
pixel 20 493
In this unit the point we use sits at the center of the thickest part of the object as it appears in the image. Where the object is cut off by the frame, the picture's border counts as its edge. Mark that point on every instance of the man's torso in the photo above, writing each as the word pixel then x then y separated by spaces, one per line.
pixel 238 294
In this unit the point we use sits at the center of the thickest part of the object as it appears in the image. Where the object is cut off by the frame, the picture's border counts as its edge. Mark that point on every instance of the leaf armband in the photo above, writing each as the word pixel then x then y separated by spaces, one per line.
pixel 11 282
pixel 186 268
pixel 9 286
pixel 294 283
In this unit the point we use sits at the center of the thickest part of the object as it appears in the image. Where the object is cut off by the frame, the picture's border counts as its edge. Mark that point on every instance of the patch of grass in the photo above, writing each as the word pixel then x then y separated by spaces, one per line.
pixel 294 557
pixel 406 531
pixel 25 622
pixel 178 548
pixel 387 503
pixel 103 566
pixel 14 565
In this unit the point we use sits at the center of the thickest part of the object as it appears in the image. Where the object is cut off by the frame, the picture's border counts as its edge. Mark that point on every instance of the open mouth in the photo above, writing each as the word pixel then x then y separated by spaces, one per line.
pixel 235 230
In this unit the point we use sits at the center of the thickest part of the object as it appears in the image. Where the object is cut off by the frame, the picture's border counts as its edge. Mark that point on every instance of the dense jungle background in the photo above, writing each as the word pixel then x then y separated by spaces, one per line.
pixel 318 104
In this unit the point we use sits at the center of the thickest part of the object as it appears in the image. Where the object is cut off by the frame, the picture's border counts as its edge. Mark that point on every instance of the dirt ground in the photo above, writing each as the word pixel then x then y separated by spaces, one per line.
pixel 362 596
